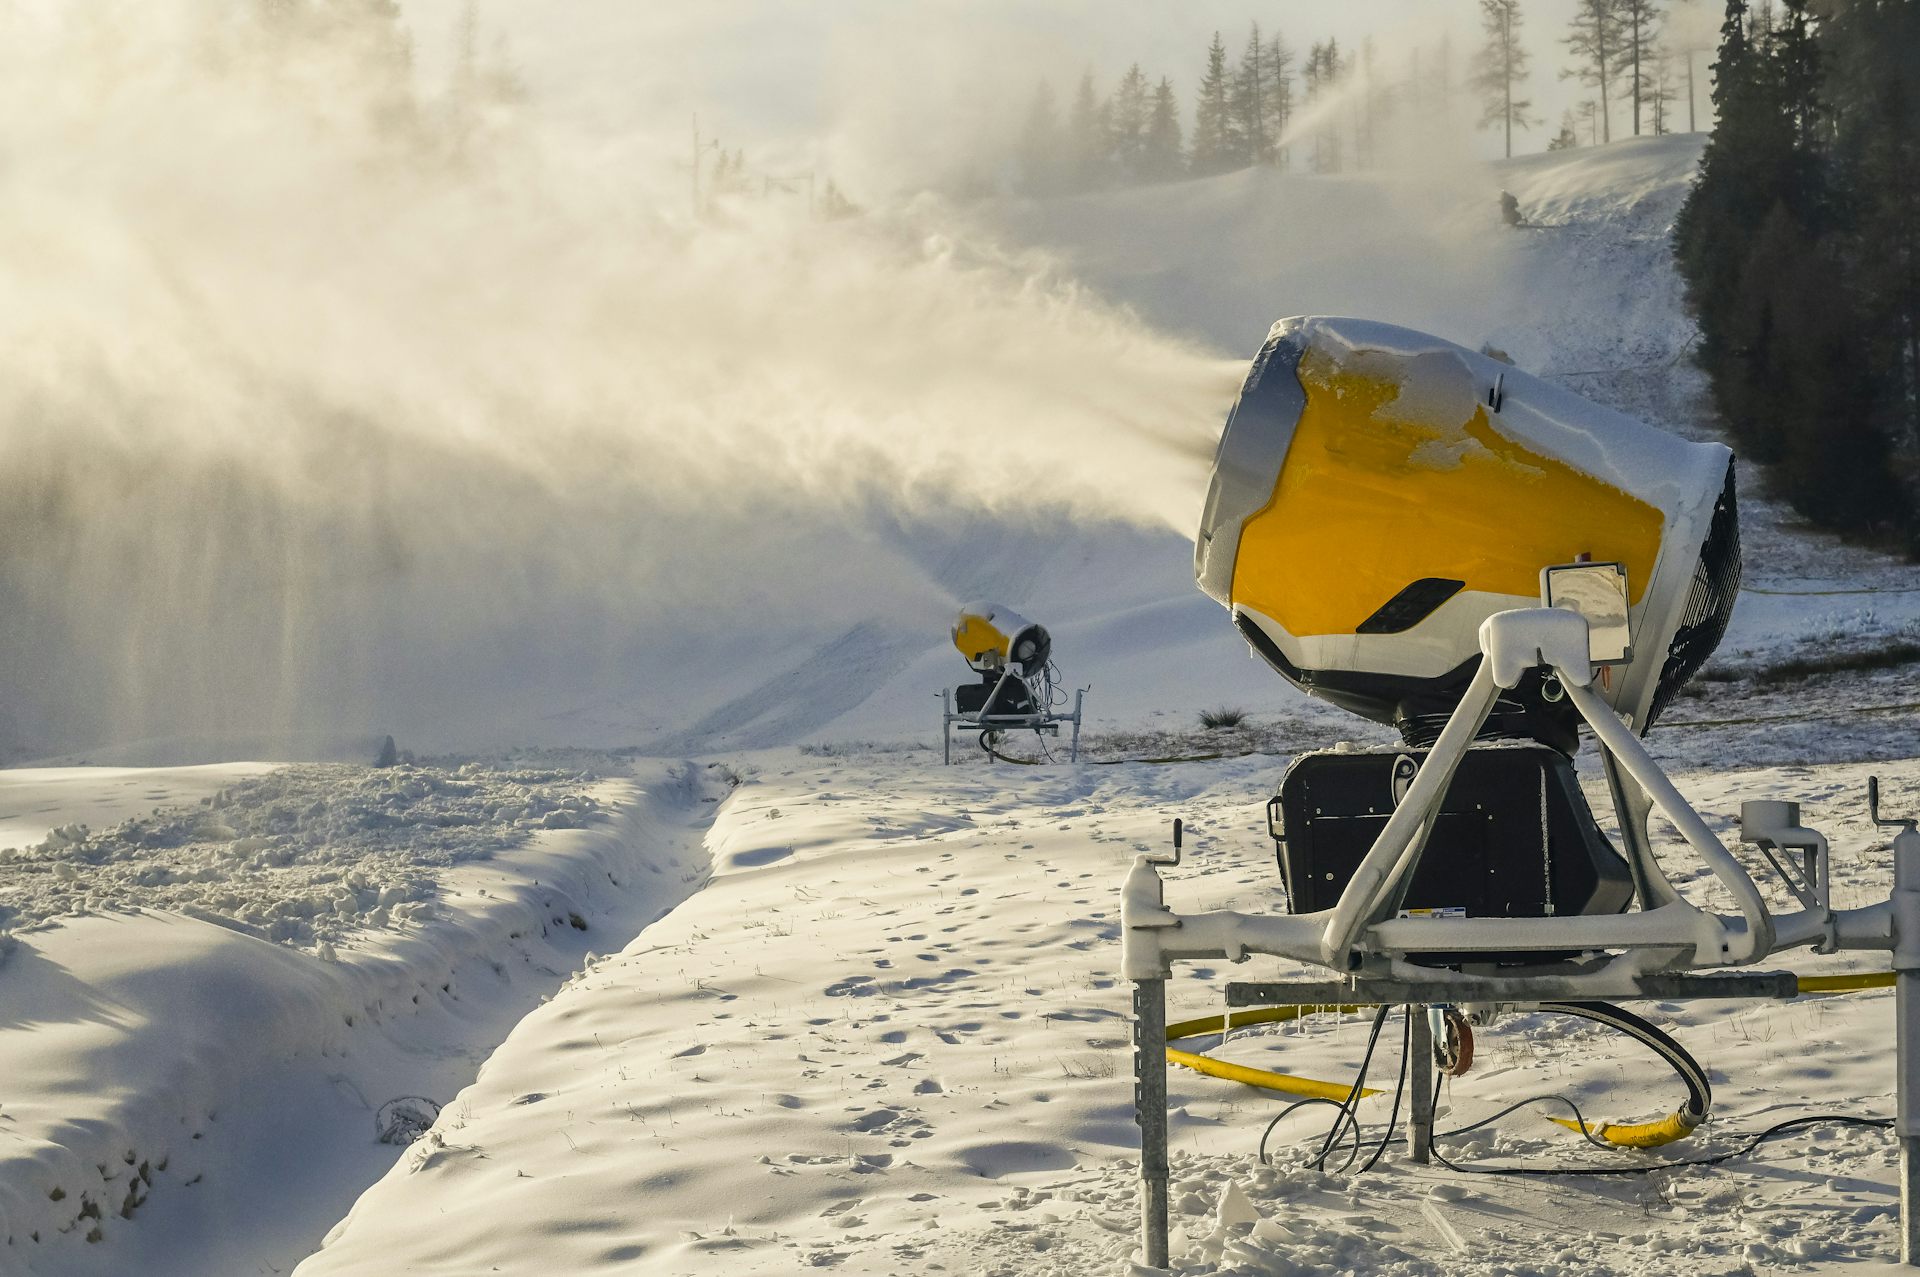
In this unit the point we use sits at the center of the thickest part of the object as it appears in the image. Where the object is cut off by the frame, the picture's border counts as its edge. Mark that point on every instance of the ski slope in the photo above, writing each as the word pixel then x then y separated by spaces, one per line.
pixel 792 995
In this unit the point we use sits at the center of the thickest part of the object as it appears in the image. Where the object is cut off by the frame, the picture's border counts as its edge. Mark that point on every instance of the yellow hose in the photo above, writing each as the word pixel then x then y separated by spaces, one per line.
pixel 1286 1082
pixel 1846 983
pixel 1680 1124
pixel 1675 1126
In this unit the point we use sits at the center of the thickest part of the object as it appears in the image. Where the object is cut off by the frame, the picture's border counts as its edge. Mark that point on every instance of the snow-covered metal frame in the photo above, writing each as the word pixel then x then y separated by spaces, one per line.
pixel 1366 944
pixel 1046 720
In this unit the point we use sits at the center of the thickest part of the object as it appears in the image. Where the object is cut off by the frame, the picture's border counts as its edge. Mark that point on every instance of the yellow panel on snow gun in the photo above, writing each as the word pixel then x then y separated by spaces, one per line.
pixel 1378 493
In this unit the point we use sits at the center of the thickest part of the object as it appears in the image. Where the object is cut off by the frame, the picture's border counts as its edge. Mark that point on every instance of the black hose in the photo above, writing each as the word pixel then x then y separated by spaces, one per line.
pixel 1399 1087
pixel 1699 1089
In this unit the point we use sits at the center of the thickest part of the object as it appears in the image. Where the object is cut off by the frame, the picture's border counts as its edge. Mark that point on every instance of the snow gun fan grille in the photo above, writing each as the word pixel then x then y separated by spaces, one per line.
pixel 1710 599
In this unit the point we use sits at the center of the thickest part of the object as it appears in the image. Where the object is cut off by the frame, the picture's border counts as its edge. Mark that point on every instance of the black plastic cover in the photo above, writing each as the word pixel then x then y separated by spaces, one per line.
pixel 1514 838
pixel 1710 600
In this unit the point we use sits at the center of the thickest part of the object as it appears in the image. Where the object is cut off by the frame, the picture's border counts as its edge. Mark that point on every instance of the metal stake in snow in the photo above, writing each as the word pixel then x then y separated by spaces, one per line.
pixel 1906 1001
pixel 1150 1069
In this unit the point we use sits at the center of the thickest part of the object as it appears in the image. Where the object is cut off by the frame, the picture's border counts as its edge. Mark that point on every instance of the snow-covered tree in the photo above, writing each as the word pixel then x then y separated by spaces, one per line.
pixel 1250 136
pixel 1161 158
pixel 1211 148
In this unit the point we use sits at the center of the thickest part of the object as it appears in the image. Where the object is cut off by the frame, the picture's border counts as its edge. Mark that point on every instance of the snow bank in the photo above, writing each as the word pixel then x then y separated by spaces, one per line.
pixel 304 854
pixel 191 1098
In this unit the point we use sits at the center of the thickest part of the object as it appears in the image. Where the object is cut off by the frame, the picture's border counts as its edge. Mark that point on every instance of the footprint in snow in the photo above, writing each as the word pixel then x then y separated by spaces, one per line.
pixel 858 986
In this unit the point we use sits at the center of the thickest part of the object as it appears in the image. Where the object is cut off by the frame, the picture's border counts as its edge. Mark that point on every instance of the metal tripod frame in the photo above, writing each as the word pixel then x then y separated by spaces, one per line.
pixel 1649 953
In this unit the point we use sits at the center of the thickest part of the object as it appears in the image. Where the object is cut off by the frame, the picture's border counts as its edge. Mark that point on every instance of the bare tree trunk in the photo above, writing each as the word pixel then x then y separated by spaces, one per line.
pixel 1636 86
pixel 1606 115
pixel 1506 68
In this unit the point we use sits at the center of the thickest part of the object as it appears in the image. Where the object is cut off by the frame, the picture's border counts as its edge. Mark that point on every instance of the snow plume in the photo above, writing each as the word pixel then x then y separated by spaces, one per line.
pixel 329 407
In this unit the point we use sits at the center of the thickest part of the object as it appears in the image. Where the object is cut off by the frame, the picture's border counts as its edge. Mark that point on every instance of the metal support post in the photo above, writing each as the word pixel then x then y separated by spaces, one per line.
pixel 1150 1111
pixel 1073 751
pixel 946 727
pixel 1906 1001
pixel 1420 1096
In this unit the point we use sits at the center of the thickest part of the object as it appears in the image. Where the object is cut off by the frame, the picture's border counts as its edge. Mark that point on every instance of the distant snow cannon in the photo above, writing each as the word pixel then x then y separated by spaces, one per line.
pixel 1014 659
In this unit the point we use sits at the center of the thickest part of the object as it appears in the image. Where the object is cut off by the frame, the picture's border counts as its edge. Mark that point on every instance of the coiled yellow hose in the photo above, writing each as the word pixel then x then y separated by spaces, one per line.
pixel 1675 1126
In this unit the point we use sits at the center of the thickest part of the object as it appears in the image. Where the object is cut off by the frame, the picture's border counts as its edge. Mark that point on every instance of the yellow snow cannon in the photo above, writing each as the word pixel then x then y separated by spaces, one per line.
pixel 1378 493
pixel 1014 659
pixel 992 637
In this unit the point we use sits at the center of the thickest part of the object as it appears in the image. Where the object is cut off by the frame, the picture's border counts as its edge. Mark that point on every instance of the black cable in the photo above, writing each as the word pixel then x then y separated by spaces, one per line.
pixel 1349 1108
pixel 1345 1123
pixel 1585 1130
pixel 1399 1088
pixel 1715 1159
pixel 1699 1089
pixel 1282 1116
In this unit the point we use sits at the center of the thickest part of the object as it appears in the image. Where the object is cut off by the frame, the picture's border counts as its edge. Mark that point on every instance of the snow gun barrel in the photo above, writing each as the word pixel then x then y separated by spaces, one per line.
pixel 1378 493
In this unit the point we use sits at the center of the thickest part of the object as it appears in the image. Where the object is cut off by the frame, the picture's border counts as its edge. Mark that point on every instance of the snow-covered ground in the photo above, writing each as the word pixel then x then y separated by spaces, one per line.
pixel 814 1000
pixel 890 1036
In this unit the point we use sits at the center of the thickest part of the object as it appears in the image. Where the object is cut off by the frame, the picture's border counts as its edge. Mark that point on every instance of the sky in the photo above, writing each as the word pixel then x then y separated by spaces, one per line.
pixel 912 85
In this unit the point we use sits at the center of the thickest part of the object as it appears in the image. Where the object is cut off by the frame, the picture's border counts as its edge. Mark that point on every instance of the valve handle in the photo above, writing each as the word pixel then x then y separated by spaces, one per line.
pixel 1873 809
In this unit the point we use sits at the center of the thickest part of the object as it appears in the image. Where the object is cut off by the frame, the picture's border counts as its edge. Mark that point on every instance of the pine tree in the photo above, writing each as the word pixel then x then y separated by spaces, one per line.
pixel 1634 20
pixel 1566 139
pixel 1089 146
pixel 1130 111
pixel 1247 104
pixel 1806 359
pixel 1500 66
pixel 1041 155
pixel 1279 94
pixel 1325 70
pixel 1871 88
pixel 1595 41
pixel 1665 89
pixel 833 204
pixel 1797 58
pixel 1161 160
pixel 1211 153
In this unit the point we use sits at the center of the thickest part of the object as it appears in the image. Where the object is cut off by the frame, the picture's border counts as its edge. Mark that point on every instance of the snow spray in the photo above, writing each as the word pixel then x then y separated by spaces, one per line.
pixel 314 420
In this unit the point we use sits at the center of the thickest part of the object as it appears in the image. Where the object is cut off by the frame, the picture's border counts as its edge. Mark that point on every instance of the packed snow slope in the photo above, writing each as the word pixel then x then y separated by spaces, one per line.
pixel 890 1036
